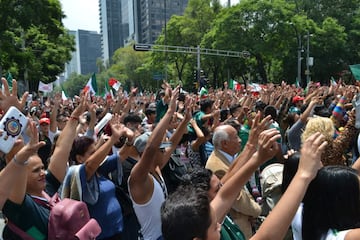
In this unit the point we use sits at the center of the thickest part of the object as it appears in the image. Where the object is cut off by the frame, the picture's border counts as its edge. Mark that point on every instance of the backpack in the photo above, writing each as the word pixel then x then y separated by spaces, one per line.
pixel 271 180
pixel 131 230
pixel 69 220
pixel 173 172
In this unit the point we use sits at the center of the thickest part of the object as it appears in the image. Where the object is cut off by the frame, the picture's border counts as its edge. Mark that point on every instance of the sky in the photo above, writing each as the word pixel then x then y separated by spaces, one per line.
pixel 84 14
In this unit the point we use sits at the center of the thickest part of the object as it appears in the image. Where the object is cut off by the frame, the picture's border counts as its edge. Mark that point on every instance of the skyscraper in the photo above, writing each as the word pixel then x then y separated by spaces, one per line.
pixel 111 28
pixel 123 21
pixel 87 51
pixel 153 16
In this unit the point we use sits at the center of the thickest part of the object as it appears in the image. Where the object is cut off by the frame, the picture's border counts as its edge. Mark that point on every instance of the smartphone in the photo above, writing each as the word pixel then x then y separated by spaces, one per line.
pixel 13 124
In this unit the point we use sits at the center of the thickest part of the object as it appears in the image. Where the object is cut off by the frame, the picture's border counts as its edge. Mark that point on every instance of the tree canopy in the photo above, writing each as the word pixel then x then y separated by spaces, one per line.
pixel 34 44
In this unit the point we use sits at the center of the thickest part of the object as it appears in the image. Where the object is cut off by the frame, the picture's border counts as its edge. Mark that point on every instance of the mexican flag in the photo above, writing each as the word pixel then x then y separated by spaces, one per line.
pixel 108 92
pixel 91 85
pixel 63 95
pixel 234 85
pixel 203 92
pixel 115 84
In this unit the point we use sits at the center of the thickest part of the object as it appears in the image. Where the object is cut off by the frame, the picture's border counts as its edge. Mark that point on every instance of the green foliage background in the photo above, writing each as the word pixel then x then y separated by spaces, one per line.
pixel 34 44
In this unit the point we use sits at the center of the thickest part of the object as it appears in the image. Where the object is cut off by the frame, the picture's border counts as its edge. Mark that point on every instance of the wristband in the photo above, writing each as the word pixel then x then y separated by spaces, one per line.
pixel 17 162
pixel 74 118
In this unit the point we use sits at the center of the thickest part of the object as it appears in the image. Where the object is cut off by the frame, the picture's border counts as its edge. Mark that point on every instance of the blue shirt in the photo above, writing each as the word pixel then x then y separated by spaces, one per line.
pixel 107 209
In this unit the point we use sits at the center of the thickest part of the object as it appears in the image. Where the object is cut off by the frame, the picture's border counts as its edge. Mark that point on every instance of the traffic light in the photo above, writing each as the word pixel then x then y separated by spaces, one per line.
pixel 195 76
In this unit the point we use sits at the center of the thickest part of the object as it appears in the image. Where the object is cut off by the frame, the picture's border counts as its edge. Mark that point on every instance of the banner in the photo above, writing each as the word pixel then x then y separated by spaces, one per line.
pixel 43 87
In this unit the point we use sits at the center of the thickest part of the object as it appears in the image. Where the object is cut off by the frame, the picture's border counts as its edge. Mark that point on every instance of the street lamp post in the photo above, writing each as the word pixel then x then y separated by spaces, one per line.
pixel 307 57
pixel 299 59
pixel 165 41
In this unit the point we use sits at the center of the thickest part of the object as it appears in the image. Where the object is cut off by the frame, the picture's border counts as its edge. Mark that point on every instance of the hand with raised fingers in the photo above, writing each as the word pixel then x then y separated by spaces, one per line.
pixel 173 99
pixel 310 159
pixel 57 99
pixel 81 107
pixel 33 145
pixel 188 109
pixel 257 127
pixel 267 145
pixel 8 99
pixel 117 128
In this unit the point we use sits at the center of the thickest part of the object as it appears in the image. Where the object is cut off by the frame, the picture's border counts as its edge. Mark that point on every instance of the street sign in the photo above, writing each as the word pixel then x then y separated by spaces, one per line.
pixel 142 47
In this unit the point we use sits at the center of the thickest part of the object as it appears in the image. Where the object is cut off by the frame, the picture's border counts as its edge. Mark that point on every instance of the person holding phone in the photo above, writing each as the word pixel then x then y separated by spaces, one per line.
pixel 30 177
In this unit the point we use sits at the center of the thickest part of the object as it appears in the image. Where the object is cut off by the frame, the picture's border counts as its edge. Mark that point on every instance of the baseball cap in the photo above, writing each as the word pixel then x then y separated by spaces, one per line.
pixel 297 99
pixel 140 142
pixel 44 120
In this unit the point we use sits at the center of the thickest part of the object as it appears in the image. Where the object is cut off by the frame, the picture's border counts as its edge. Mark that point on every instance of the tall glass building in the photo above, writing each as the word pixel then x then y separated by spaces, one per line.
pixel 123 21
pixel 87 51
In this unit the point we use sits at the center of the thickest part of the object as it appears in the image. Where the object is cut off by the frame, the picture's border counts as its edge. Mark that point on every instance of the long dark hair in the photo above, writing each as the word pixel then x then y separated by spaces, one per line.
pixel 331 202
pixel 290 167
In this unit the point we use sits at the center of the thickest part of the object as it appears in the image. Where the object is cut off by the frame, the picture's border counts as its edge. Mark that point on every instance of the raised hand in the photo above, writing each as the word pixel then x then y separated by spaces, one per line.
pixel 33 145
pixel 257 127
pixel 267 145
pixel 81 107
pixel 8 99
pixel 117 128
pixel 174 97
pixel 188 110
pixel 311 150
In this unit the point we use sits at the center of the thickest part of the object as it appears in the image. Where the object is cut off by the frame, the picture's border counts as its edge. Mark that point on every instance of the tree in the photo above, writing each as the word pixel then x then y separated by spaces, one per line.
pixel 186 31
pixel 34 43
pixel 128 66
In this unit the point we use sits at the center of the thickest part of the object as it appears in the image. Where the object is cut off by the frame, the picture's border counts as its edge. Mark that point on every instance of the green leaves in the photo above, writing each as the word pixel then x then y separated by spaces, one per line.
pixel 34 40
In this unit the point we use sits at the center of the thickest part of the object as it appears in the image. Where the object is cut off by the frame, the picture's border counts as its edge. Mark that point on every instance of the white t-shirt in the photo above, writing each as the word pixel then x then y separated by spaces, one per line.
pixel 296 224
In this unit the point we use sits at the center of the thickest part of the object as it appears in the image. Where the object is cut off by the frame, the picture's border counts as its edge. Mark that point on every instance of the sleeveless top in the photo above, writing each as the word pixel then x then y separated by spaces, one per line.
pixel 148 214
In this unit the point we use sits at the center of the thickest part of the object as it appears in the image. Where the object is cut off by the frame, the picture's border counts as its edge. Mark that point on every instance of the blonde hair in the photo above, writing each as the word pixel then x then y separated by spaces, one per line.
pixel 319 124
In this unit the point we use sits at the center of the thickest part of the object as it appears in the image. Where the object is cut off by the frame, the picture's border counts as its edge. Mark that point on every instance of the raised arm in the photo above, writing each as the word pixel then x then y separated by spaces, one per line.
pixel 90 130
pixel 9 99
pixel 305 115
pixel 250 147
pixel 14 175
pixel 94 161
pixel 139 173
pixel 277 223
pixel 54 113
pixel 231 189
pixel 176 137
pixel 59 159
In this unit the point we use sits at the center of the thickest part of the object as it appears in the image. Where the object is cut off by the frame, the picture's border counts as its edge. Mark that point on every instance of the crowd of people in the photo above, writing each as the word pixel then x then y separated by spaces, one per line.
pixel 224 139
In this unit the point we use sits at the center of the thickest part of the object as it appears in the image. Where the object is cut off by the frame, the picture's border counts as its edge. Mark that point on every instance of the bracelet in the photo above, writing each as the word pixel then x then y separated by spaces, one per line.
pixel 20 163
pixel 74 118
pixel 128 143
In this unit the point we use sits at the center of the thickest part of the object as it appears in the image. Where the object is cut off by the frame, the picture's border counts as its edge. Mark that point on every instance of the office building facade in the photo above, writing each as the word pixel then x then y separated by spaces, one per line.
pixel 124 21
pixel 152 16
pixel 87 51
